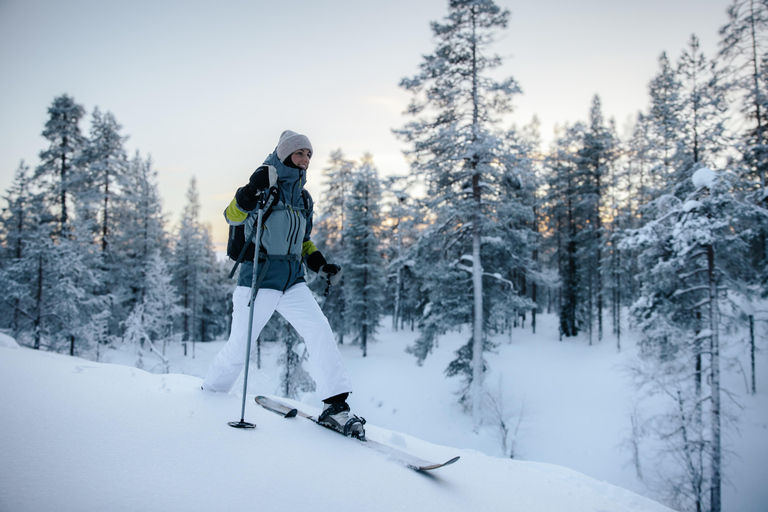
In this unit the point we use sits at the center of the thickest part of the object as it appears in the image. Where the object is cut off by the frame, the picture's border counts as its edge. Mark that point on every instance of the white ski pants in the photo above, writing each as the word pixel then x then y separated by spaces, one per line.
pixel 299 307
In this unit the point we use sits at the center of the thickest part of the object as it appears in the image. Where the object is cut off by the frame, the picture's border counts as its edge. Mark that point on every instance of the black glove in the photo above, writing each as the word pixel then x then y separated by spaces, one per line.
pixel 331 272
pixel 262 178
pixel 265 177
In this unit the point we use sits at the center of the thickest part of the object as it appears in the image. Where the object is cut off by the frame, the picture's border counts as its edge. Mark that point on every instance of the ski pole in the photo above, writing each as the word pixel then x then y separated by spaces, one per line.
pixel 254 290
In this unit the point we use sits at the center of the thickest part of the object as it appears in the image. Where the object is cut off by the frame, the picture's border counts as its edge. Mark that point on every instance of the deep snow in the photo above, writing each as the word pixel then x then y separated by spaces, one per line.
pixel 85 436
pixel 88 436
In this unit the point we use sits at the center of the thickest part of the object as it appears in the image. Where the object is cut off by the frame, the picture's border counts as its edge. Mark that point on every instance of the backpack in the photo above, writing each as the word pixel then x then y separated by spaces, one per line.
pixel 236 243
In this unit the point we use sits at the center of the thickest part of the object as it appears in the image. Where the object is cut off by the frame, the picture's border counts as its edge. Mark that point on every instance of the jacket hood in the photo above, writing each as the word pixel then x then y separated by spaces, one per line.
pixel 290 181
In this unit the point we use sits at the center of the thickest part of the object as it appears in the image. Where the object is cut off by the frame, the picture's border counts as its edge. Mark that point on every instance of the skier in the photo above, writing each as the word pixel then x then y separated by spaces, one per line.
pixel 285 243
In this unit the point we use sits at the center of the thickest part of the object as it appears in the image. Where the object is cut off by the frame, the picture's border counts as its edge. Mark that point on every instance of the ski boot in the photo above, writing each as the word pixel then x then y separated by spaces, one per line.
pixel 338 417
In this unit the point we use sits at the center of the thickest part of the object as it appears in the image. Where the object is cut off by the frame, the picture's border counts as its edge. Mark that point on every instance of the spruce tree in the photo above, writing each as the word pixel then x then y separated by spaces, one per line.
pixel 102 179
pixel 743 47
pixel 560 205
pixel 18 227
pixel 364 270
pixel 188 254
pixel 456 149
pixel 139 231
pixel 55 171
pixel 665 111
pixel 398 235
pixel 692 262
pixel 328 234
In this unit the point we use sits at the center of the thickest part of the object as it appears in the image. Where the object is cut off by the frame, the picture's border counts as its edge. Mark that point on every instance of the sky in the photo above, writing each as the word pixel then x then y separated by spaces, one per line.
pixel 206 88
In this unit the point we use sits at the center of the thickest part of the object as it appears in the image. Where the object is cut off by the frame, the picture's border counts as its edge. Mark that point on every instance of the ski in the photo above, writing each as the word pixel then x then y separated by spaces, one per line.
pixel 399 456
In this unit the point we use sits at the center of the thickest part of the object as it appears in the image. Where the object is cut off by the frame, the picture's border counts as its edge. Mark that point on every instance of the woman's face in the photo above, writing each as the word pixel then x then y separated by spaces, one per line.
pixel 301 158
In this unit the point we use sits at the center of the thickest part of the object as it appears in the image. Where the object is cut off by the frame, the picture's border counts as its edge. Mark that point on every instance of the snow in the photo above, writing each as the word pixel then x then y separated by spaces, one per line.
pixel 114 437
pixel 87 436
pixel 691 205
pixel 7 342
pixel 704 177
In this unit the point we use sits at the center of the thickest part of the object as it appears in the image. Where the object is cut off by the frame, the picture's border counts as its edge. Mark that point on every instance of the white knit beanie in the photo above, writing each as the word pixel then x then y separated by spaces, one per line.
pixel 290 142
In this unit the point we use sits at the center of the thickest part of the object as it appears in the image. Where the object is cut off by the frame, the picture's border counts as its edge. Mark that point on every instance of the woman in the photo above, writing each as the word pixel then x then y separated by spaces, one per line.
pixel 285 243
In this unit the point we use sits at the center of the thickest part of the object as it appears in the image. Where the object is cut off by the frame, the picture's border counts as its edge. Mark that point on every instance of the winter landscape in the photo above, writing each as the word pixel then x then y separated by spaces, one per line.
pixel 91 436
pixel 580 315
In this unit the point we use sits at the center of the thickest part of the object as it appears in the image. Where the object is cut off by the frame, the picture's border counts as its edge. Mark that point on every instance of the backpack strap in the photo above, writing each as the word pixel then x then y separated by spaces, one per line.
pixel 271 195
pixel 309 203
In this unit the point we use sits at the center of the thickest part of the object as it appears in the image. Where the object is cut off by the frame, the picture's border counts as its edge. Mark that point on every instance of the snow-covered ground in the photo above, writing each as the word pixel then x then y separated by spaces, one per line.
pixel 79 435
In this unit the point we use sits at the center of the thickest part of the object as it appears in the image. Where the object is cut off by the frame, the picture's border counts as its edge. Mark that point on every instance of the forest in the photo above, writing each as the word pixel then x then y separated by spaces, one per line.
pixel 662 231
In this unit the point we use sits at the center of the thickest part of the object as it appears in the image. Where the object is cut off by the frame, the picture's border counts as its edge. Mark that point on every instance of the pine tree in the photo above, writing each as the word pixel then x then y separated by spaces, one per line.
pixel 72 308
pixel 561 209
pixel 329 235
pixel 639 165
pixel 400 232
pixel 690 255
pixel 595 159
pixel 152 320
pixel 102 179
pixel 665 111
pixel 702 115
pixel 294 379
pixel 364 269
pixel 18 228
pixel 195 273
pixel 139 231
pixel 743 47
pixel 187 257
pixel 456 151
pixel 56 171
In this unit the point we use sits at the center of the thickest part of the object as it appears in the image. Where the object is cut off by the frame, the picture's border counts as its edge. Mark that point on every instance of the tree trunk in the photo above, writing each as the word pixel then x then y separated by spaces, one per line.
pixel 477 268
pixel 106 214
pixel 63 176
pixel 752 351
pixel 714 320
pixel 477 332
pixel 39 312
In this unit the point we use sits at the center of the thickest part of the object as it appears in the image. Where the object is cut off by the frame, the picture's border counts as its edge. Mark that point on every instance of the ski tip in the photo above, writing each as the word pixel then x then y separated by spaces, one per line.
pixel 436 466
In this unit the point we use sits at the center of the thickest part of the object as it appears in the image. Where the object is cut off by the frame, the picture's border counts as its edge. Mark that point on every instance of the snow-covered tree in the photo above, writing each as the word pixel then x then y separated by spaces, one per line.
pixel 703 109
pixel 400 231
pixel 457 149
pixel 55 171
pixel 17 226
pixel 692 262
pixel 744 50
pixel 196 277
pixel 294 379
pixel 579 193
pixel 666 131
pixel 328 233
pixel 139 232
pixel 364 270
pixel 595 157
pixel 743 46
pixel 152 320
pixel 102 179
pixel 561 239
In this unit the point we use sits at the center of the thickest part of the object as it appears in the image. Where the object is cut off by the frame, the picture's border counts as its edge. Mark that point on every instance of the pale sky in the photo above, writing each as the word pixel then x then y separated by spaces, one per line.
pixel 206 87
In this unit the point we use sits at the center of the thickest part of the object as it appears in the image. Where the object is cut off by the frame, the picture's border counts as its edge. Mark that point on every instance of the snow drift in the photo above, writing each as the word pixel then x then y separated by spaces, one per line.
pixel 83 436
